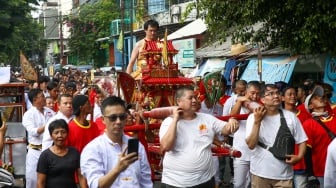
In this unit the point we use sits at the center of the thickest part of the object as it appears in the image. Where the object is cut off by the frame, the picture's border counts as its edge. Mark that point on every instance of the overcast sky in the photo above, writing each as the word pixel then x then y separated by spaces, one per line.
pixel 36 13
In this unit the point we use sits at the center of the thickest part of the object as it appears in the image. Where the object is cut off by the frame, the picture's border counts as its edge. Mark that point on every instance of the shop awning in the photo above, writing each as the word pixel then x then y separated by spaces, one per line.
pixel 273 69
pixel 211 65
pixel 194 28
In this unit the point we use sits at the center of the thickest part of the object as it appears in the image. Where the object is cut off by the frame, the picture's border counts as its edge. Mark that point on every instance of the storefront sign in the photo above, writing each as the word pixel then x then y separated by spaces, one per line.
pixel 330 75
pixel 186 55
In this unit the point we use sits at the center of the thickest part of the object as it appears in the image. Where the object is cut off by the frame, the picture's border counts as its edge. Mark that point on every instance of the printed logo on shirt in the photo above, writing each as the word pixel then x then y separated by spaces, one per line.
pixel 126 178
pixel 203 129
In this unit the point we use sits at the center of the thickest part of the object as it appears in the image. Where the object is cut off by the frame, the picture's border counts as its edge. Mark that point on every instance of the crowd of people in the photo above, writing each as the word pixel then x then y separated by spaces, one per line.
pixel 308 114
pixel 69 136
pixel 58 133
pixel 78 140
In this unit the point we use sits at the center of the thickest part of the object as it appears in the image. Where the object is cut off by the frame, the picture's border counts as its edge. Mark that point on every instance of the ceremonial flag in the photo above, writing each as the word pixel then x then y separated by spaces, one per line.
pixel 55 48
pixel 164 49
pixel 28 71
pixel 120 44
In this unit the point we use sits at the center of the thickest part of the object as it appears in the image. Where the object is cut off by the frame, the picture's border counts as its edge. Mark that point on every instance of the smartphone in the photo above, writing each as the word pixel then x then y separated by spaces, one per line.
pixel 133 145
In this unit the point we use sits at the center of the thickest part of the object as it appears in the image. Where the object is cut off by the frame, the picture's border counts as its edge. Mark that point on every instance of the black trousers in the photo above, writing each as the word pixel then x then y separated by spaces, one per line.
pixel 209 184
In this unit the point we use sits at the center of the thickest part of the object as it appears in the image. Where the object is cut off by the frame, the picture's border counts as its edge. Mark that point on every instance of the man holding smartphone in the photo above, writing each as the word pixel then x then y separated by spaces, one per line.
pixel 105 161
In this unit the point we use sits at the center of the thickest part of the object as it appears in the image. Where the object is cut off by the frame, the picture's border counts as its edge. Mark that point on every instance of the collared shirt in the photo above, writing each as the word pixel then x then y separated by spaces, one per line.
pixel 101 155
pixel 47 141
pixel 34 119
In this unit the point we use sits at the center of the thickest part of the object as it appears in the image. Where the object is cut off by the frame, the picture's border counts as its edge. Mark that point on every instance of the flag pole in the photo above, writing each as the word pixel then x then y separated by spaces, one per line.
pixel 259 63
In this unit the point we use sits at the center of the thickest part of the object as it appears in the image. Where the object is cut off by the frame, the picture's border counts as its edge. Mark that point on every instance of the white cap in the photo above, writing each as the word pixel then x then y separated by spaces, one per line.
pixel 318 90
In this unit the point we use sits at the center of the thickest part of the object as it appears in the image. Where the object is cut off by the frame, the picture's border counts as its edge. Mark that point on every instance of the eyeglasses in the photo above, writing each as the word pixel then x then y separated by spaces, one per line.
pixel 114 117
pixel 273 94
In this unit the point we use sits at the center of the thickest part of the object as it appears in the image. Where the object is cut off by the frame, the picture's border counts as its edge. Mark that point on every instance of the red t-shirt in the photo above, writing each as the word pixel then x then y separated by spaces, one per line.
pixel 302 116
pixel 80 135
pixel 318 140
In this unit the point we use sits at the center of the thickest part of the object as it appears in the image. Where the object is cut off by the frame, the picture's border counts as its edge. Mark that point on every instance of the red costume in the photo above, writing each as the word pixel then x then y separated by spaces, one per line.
pixel 318 140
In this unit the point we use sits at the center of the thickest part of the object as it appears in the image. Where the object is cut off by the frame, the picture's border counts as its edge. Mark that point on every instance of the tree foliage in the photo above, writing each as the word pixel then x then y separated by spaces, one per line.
pixel 302 26
pixel 19 31
pixel 91 23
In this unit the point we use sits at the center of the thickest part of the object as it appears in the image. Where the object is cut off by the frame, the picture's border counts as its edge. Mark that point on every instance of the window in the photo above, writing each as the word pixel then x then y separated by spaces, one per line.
pixel 156 6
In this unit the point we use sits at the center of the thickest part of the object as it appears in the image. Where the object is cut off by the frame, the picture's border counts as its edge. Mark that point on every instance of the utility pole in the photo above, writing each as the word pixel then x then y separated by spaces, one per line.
pixel 61 39
pixel 131 22
pixel 122 7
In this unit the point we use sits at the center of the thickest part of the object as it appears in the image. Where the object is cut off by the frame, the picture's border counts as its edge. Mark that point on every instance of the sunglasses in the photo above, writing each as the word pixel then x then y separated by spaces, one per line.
pixel 114 117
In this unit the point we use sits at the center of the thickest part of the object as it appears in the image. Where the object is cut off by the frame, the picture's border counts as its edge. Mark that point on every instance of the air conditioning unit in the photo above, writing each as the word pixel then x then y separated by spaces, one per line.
pixel 176 10
pixel 115 27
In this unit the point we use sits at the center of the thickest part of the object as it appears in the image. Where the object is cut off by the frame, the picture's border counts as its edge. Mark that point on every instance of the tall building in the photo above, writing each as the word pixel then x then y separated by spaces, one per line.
pixel 56 29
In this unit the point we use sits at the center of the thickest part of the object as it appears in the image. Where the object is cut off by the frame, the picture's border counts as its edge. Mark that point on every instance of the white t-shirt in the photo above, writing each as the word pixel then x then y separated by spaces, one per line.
pixel 190 162
pixel 263 163
pixel 330 168
pixel 230 102
pixel 239 137
pixel 216 110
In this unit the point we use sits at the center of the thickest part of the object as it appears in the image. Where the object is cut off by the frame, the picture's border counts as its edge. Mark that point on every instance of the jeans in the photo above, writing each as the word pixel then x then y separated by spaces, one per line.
pixel 242 176
pixel 300 180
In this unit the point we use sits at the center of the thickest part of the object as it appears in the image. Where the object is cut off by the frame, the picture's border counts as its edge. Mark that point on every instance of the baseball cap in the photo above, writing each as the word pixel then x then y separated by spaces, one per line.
pixel 318 90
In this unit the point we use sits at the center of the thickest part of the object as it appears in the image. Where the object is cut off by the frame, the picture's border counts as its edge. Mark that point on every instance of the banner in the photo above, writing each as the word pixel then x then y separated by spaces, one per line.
pixel 28 71
pixel 273 69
